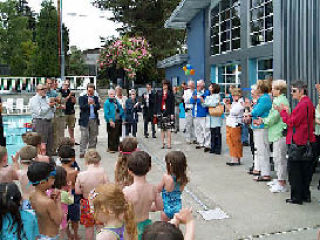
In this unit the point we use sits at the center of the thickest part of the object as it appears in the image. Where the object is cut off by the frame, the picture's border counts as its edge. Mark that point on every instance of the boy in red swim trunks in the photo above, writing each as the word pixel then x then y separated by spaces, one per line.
pixel 85 183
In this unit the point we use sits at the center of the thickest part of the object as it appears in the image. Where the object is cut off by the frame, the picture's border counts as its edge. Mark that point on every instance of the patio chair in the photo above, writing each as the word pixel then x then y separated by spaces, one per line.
pixel 9 105
pixel 20 105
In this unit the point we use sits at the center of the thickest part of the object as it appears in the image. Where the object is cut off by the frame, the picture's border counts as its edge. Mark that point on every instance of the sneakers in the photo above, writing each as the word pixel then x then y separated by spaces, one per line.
pixel 273 182
pixel 277 188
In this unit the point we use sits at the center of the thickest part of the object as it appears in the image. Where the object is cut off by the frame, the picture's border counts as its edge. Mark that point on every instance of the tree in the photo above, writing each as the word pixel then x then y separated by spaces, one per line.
pixel 16 46
pixel 76 64
pixel 146 18
pixel 46 57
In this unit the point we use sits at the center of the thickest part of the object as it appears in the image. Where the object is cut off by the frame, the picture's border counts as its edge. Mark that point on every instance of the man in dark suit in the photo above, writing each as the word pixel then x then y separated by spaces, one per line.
pixel 2 138
pixel 148 101
pixel 89 119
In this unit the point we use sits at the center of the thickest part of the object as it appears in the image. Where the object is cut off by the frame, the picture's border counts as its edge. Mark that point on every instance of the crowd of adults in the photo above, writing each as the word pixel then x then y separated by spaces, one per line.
pixel 265 118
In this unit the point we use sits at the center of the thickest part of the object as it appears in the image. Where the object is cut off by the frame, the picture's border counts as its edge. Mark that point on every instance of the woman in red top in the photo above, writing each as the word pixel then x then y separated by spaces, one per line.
pixel 164 109
pixel 301 130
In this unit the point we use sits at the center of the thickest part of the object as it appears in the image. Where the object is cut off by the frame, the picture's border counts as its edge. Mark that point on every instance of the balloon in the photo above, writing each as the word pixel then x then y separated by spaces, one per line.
pixel 187 73
pixel 184 68
pixel 189 67
pixel 192 72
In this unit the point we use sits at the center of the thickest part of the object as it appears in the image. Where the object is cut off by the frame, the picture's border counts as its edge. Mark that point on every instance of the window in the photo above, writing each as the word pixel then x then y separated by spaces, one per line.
pixel 228 75
pixel 265 69
pixel 225 27
pixel 261 21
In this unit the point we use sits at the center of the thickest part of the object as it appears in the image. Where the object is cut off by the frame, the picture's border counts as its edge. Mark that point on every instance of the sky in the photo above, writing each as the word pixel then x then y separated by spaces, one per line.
pixel 85 22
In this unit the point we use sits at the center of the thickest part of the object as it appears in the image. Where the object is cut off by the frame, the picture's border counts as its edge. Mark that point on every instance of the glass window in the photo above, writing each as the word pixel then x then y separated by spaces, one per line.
pixel 265 68
pixel 228 75
pixel 261 21
pixel 225 26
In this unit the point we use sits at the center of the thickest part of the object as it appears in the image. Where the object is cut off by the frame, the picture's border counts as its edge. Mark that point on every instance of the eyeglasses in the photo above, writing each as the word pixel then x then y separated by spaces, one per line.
pixel 42 88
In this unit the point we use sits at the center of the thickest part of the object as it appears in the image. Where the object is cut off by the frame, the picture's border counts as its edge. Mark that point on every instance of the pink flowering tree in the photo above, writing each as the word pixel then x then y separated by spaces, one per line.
pixel 127 53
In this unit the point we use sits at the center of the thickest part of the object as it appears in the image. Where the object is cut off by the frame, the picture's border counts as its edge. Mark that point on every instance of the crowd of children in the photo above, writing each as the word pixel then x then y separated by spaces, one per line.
pixel 50 198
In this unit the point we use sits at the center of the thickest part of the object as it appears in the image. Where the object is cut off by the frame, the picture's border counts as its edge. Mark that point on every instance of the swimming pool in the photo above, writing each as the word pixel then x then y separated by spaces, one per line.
pixel 14 127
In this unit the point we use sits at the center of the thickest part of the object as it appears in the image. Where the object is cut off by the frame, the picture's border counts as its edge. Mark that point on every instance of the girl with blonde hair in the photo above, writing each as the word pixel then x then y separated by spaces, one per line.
pixel 117 215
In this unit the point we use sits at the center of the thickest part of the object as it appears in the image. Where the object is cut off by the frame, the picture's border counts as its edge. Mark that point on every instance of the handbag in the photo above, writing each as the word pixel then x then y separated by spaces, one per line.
pixel 216 111
pixel 301 152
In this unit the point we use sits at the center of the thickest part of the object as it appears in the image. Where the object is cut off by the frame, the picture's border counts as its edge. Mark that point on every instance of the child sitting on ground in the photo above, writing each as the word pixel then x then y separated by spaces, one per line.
pixel 67 159
pixel 15 223
pixel 170 230
pixel 27 155
pixel 122 177
pixel 60 183
pixel 173 183
pixel 34 139
pixel 117 215
pixel 48 209
pixel 7 173
pixel 141 194
pixel 85 183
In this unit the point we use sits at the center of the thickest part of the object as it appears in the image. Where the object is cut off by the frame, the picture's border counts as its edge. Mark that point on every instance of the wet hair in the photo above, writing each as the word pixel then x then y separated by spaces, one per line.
pixel 61 178
pixel 66 141
pixel 33 139
pixel 301 86
pixel 27 154
pixel 139 163
pixel 39 171
pixel 10 203
pixel 121 175
pixel 92 156
pixel 110 197
pixel 24 137
pixel 177 165
pixel 3 153
pixel 162 230
pixel 215 88
pixel 66 153
pixel 264 86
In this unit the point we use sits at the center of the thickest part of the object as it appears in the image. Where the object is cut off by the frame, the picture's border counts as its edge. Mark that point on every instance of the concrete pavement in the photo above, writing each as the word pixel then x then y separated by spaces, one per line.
pixel 254 212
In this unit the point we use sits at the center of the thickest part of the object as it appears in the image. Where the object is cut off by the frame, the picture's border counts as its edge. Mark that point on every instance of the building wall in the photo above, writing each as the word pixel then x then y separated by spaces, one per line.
pixel 176 72
pixel 196 44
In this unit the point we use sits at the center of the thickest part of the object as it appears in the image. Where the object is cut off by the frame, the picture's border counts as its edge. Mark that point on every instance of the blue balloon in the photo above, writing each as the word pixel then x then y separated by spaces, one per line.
pixel 189 67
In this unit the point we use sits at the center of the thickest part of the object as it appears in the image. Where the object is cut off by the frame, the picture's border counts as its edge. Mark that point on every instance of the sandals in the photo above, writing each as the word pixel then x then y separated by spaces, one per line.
pixel 262 179
pixel 163 146
pixel 254 173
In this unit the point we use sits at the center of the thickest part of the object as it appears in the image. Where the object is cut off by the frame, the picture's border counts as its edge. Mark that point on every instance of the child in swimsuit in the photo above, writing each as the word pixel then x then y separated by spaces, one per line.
pixel 143 195
pixel 173 183
pixel 85 183
pixel 113 210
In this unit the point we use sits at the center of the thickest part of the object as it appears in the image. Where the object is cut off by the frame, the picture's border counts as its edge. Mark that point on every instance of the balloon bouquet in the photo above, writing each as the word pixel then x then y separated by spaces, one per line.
pixel 188 70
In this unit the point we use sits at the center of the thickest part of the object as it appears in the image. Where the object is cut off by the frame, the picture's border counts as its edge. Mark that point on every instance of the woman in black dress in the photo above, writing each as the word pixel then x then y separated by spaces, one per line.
pixel 164 109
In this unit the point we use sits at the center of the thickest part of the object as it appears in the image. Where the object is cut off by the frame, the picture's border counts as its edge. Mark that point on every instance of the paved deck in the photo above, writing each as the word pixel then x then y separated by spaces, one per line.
pixel 254 211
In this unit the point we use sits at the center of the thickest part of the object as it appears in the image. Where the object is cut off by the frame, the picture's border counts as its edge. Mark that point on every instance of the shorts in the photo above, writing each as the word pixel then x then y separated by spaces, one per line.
pixel 74 209
pixel 141 226
pixel 87 214
pixel 70 121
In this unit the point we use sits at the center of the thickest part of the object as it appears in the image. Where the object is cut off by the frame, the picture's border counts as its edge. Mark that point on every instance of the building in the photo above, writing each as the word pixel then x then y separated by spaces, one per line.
pixel 237 42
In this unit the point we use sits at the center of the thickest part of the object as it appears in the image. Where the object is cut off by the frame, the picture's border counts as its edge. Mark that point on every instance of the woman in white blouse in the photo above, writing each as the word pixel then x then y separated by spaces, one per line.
pixel 233 126
pixel 122 100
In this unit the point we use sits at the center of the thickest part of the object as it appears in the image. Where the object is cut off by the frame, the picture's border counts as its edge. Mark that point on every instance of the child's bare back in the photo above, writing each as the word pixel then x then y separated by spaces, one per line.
pixel 8 174
pixel 26 188
pixel 71 175
pixel 46 208
pixel 142 195
pixel 89 179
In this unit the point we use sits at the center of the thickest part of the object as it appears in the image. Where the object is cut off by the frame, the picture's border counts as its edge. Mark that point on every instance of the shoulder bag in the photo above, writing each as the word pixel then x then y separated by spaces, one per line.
pixel 216 111
pixel 301 152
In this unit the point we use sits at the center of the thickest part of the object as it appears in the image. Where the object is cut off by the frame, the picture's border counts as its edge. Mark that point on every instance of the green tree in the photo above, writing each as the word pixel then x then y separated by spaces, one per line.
pixel 46 57
pixel 15 39
pixel 146 18
pixel 75 64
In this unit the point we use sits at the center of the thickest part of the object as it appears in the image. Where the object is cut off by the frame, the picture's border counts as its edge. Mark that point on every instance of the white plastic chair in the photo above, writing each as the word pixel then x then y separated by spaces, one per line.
pixel 9 105
pixel 20 105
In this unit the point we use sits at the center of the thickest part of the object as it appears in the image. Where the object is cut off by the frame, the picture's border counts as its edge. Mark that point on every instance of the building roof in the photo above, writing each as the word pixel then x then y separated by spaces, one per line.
pixel 173 61
pixel 185 12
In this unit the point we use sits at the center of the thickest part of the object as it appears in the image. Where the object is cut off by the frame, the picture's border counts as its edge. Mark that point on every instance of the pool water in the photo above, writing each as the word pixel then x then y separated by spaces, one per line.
pixel 14 127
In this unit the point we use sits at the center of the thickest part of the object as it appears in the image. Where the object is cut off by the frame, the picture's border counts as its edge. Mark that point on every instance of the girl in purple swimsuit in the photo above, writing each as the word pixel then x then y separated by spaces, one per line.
pixel 115 212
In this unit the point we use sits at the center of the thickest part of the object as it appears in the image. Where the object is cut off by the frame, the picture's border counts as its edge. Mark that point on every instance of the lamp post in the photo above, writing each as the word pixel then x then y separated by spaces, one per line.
pixel 60 41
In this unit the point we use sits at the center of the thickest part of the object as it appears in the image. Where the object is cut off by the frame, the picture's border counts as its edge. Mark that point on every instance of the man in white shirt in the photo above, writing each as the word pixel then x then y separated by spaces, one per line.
pixel 42 109
pixel 187 95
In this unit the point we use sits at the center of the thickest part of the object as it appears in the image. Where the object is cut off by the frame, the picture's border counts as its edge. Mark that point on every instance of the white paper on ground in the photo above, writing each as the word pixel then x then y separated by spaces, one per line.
pixel 213 214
